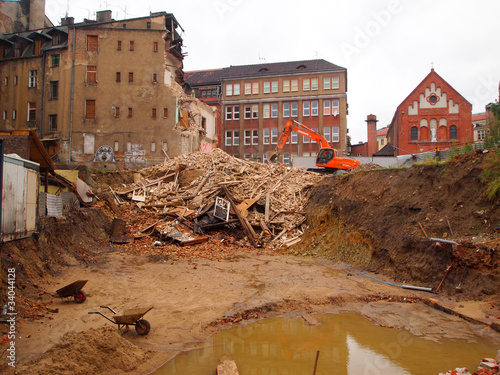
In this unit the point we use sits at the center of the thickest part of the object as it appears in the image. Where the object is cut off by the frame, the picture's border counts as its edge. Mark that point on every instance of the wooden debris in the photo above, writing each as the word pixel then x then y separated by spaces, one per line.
pixel 227 368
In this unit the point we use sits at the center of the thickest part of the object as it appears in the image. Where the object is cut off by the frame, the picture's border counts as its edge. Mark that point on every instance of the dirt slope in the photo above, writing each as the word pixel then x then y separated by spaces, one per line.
pixel 373 218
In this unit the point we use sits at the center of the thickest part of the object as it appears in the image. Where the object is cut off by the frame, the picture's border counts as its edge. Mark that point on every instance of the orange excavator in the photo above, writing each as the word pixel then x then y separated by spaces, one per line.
pixel 327 161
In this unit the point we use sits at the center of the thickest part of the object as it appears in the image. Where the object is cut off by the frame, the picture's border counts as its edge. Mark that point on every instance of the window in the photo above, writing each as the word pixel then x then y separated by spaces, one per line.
pixel 236 89
pixel 118 77
pixel 117 146
pixel 326 108
pixel 274 110
pixel 274 136
pixel 295 109
pixel 314 108
pixel 53 123
pixel 32 78
pixel 6 81
pixel 248 112
pixel 481 134
pixel 131 45
pixel 266 111
pixel 14 115
pixel 236 138
pixel 326 133
pixel 15 80
pixel 148 25
pixel 229 89
pixel 295 85
pixel 274 87
pixel 294 137
pixel 286 158
pixel 414 133
pixel 54 90
pixel 155 46
pixel 286 109
pixel 314 128
pixel 54 62
pixel 229 138
pixel 117 111
pixel 255 111
pixel 267 87
pixel 286 85
pixel 266 136
pixel 165 112
pixel 236 112
pixel 248 137
pixel 91 74
pixel 335 134
pixel 335 107
pixel 5 115
pixel 153 112
pixel 131 76
pixel 129 113
pixel 31 111
pixel 255 88
pixel 305 139
pixel 326 83
pixel 248 88
pixel 314 84
pixel 90 109
pixel 255 137
pixel 155 78
pixel 229 112
pixel 56 39
pixel 92 43
pixel 306 109
pixel 335 82
pixel 153 146
pixel 453 132
pixel 119 45
pixel 382 141
pixel 306 84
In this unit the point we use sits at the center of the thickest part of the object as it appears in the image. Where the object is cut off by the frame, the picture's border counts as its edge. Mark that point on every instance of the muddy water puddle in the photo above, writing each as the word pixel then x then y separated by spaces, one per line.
pixel 347 343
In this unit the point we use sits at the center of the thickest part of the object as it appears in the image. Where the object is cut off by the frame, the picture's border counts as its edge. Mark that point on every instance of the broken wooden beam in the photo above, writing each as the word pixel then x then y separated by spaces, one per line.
pixel 227 368
pixel 244 223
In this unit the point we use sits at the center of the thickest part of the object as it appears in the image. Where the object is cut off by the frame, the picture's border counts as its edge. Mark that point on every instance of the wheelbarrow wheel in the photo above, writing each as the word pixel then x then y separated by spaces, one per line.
pixel 142 327
pixel 80 296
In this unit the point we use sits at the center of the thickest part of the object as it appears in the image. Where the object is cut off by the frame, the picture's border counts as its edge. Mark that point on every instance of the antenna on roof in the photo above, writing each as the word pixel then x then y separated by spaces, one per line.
pixel 262 57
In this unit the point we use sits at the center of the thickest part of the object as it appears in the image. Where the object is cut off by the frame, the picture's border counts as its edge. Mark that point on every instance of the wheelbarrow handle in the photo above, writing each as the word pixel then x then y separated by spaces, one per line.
pixel 101 314
pixel 109 308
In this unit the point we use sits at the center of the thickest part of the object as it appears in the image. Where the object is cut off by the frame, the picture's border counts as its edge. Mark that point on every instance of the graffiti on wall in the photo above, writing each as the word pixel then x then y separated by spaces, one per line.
pixel 104 154
pixel 135 155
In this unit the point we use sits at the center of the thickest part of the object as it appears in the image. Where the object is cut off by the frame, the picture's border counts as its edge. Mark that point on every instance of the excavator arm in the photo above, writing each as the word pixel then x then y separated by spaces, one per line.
pixel 299 128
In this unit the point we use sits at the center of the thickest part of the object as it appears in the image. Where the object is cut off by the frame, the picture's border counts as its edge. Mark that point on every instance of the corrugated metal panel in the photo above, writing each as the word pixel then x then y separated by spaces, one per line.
pixel 54 205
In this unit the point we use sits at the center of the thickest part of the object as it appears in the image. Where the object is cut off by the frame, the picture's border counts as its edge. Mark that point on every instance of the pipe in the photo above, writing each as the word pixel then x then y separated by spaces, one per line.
pixel 71 99
pixel 441 240
pixel 421 288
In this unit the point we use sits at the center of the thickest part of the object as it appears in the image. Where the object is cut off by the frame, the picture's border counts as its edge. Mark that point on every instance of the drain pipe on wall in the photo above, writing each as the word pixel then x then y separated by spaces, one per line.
pixel 72 92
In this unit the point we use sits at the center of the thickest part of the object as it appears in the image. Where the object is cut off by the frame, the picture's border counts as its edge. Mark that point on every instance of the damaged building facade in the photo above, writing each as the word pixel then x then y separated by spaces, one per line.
pixel 103 90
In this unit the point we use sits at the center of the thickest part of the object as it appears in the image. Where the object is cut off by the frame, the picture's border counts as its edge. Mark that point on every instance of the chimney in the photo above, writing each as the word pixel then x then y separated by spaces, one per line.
pixel 67 21
pixel 371 124
pixel 103 16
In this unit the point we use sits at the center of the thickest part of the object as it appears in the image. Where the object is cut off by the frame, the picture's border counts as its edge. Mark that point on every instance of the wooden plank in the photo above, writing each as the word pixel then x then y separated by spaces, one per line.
pixel 311 320
pixel 243 221
pixel 268 201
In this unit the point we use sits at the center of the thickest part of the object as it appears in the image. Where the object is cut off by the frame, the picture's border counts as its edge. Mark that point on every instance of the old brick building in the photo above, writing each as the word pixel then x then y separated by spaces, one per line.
pixel 103 90
pixel 434 116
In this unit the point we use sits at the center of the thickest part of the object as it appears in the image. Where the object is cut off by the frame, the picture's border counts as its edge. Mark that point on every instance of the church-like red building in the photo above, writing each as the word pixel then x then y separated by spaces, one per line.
pixel 433 117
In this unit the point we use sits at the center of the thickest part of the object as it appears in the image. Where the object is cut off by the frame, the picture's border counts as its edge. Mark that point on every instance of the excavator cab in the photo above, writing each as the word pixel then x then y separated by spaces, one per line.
pixel 324 156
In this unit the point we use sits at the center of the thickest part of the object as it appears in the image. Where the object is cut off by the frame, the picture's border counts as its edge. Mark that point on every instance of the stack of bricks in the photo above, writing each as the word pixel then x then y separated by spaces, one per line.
pixel 488 366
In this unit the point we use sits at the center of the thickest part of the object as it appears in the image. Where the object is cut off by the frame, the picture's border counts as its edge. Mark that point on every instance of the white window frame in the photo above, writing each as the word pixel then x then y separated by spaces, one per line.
pixel 255 88
pixel 294 137
pixel 229 138
pixel 326 108
pixel 266 136
pixel 236 137
pixel 274 110
pixel 286 85
pixel 306 84
pixel 32 78
pixel 286 158
pixel 314 108
pixel 327 83
pixel 229 89
pixel 236 112
pixel 236 89
pixel 266 110
pixel 274 136
pixel 248 88
pixel 255 136
pixel 335 83
pixel 306 108
pixel 335 107
pixel 335 134
pixel 327 133
pixel 247 137
pixel 314 84
pixel 274 87
pixel 229 113
pixel 248 112
pixel 286 109
pixel 267 87
pixel 14 114
pixel 255 111
pixel 294 108
pixel 315 128
pixel 294 85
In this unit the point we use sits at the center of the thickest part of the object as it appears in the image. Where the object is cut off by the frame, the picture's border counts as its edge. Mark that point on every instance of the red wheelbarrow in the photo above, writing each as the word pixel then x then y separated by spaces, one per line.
pixel 72 290
pixel 131 317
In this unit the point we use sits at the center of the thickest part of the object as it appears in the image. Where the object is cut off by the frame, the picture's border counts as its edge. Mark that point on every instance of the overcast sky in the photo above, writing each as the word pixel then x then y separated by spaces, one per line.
pixel 387 46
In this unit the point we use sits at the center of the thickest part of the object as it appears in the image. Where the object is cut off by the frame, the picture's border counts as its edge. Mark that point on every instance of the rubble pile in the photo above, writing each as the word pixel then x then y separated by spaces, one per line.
pixel 488 366
pixel 195 194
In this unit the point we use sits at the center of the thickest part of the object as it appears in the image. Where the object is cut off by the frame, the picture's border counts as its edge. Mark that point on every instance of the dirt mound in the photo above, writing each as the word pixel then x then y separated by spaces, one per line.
pixel 94 351
pixel 376 219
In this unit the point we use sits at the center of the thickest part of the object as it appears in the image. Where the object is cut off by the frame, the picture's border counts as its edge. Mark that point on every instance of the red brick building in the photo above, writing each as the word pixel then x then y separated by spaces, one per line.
pixel 434 116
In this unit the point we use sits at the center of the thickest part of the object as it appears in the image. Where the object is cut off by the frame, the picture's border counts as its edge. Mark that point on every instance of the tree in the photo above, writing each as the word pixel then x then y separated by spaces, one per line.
pixel 492 139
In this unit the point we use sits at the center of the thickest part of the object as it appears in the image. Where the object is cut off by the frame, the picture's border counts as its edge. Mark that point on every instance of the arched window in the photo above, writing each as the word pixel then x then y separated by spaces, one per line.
pixel 414 133
pixel 453 132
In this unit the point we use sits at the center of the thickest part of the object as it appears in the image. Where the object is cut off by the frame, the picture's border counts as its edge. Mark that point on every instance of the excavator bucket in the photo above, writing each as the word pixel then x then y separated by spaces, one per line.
pixel 272 156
